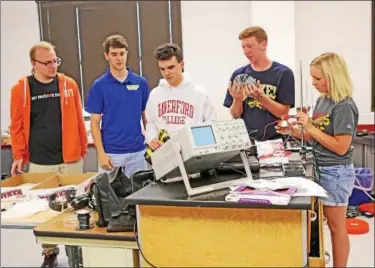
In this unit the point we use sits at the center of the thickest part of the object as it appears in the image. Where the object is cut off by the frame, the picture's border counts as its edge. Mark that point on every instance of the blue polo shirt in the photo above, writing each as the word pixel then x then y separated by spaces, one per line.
pixel 121 105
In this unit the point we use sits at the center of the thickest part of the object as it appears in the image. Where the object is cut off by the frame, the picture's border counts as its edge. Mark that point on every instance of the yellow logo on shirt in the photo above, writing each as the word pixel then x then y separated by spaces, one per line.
pixel 132 87
pixel 321 122
pixel 269 90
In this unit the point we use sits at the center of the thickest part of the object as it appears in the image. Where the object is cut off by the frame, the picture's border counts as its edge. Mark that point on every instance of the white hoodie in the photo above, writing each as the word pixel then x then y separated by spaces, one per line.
pixel 171 108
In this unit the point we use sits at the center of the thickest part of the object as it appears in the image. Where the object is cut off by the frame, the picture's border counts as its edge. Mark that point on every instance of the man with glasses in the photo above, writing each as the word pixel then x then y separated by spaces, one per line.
pixel 47 127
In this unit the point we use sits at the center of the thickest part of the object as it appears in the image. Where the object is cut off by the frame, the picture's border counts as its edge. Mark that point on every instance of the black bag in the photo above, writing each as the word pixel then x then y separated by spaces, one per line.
pixel 110 191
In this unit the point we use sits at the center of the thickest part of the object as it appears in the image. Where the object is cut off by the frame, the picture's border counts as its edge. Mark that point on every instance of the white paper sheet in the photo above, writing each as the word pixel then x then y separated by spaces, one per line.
pixel 305 187
pixel 25 209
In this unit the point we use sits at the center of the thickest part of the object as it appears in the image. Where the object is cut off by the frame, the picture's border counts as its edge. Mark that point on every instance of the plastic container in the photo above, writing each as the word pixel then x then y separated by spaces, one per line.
pixel 364 182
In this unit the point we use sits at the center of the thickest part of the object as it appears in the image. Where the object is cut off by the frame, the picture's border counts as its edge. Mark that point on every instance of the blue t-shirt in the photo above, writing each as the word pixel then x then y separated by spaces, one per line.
pixel 121 105
pixel 277 83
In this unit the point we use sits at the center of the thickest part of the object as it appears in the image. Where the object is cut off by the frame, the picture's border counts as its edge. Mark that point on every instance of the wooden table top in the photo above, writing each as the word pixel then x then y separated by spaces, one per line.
pixel 64 226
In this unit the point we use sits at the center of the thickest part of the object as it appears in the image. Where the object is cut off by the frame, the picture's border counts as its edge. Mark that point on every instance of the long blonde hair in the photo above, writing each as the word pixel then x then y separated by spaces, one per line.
pixel 336 74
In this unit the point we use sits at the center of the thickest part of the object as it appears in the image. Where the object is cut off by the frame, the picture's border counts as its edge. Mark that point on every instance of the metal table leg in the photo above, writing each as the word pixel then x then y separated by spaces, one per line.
pixel 74 254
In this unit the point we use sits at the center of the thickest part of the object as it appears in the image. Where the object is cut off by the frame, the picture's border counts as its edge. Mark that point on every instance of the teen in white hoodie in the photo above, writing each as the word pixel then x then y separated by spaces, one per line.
pixel 177 101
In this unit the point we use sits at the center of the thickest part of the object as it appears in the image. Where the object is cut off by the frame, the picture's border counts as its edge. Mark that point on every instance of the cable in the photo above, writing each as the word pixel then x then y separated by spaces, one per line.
pixel 139 247
pixel 265 128
pixel 281 176
pixel 251 132
pixel 298 141
pixel 239 171
pixel 363 189
pixel 289 136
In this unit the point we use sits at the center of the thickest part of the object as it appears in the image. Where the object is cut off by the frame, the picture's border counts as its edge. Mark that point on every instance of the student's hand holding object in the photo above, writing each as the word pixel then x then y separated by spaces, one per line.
pixel 255 91
pixel 236 91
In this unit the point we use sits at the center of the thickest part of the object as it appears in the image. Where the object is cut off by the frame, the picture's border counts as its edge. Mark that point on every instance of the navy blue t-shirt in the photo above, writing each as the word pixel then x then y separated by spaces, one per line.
pixel 121 106
pixel 277 83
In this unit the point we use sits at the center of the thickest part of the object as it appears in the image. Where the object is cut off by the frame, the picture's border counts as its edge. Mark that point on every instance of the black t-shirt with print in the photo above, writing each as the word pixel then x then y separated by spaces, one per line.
pixel 45 143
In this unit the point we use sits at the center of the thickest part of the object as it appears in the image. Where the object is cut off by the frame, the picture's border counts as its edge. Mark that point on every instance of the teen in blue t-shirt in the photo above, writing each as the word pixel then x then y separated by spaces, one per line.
pixel 117 100
pixel 262 91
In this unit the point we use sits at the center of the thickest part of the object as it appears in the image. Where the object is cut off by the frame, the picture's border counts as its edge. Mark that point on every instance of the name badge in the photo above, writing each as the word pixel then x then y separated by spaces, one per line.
pixel 132 87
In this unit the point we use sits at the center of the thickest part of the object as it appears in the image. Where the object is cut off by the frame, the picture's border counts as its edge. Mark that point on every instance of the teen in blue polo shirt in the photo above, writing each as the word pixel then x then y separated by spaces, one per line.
pixel 117 101
pixel 260 105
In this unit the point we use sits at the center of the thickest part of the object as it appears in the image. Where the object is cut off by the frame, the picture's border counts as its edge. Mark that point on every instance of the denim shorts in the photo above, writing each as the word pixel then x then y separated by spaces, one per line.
pixel 338 181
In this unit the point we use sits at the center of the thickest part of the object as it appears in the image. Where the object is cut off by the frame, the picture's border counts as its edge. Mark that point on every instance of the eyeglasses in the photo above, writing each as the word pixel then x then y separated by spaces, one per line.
pixel 57 61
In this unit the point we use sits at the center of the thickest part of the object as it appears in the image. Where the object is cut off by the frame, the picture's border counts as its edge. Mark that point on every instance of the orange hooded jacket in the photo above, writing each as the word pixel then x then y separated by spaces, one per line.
pixel 74 136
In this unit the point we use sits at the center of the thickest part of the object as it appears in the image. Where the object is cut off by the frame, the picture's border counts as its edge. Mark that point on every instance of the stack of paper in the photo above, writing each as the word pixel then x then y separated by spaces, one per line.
pixel 277 191
pixel 262 192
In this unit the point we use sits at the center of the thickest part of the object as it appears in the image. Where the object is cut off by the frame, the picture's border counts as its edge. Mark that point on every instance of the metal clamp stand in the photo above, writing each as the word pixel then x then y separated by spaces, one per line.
pixel 303 150
pixel 204 189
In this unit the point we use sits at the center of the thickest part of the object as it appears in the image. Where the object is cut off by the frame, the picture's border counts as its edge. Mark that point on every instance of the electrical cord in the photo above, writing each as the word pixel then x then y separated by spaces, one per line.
pixel 298 141
pixel 265 128
pixel 251 132
pixel 139 247
pixel 264 131
pixel 281 176
pixel 287 139
pixel 364 189
pixel 239 171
